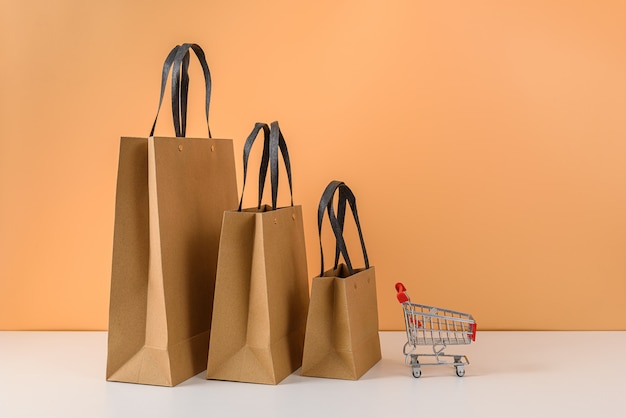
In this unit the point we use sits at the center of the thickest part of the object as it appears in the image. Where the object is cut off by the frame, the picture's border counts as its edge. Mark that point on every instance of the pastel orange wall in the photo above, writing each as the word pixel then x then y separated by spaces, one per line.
pixel 485 142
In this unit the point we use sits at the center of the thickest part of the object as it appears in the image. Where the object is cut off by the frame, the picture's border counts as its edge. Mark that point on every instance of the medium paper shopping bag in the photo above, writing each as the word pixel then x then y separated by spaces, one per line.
pixel 342 338
pixel 171 195
pixel 261 291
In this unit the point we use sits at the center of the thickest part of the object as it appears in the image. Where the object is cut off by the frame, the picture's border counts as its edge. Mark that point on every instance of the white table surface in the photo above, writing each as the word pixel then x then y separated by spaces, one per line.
pixel 512 374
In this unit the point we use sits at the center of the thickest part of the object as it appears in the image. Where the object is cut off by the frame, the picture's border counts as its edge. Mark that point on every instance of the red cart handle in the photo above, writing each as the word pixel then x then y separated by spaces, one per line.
pixel 473 331
pixel 402 296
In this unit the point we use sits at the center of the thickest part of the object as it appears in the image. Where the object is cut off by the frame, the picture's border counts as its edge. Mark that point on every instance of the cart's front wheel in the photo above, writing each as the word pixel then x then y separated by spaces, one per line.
pixel 460 371
pixel 417 372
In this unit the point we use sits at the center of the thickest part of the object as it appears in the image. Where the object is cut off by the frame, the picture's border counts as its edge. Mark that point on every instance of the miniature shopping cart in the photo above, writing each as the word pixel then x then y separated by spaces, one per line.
pixel 428 325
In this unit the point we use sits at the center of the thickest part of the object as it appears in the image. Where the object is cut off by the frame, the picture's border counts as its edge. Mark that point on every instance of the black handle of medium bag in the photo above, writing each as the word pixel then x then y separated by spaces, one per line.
pixel 178 59
pixel 273 141
pixel 264 160
pixel 337 222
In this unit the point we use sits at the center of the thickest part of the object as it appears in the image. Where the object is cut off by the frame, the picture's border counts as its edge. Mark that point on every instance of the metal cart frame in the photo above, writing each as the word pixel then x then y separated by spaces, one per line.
pixel 437 327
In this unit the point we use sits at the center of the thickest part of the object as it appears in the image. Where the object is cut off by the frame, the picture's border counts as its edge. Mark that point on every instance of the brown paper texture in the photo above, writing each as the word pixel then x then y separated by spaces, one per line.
pixel 171 194
pixel 261 296
pixel 342 340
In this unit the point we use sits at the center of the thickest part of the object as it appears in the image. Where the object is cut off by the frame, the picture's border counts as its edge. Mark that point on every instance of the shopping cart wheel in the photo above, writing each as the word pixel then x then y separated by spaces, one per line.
pixel 460 371
pixel 417 372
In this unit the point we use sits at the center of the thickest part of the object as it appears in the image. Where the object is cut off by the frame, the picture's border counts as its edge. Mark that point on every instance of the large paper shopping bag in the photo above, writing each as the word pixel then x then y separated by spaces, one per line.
pixel 261 292
pixel 171 195
pixel 342 338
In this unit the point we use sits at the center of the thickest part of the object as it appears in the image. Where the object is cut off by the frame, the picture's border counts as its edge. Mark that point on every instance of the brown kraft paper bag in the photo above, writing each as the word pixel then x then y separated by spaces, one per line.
pixel 261 293
pixel 171 195
pixel 342 340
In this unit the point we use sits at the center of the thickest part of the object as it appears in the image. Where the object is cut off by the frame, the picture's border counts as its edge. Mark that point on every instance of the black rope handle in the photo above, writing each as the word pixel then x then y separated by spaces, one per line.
pixel 177 62
pixel 341 214
pixel 337 222
pixel 264 160
pixel 278 141
pixel 180 86
pixel 273 141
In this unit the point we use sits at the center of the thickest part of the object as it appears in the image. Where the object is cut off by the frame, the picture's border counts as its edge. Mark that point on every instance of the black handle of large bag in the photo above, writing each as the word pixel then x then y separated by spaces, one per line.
pixel 273 141
pixel 337 222
pixel 178 59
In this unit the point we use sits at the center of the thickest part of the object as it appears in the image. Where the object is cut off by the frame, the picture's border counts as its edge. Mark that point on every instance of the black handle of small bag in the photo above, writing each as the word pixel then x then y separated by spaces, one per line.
pixel 344 194
pixel 273 141
pixel 337 222
pixel 178 59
